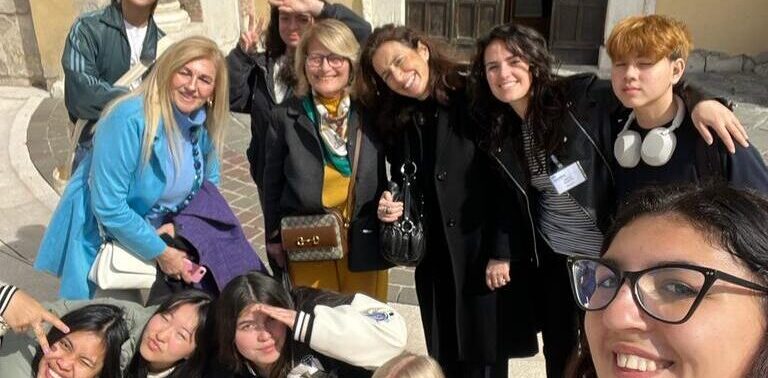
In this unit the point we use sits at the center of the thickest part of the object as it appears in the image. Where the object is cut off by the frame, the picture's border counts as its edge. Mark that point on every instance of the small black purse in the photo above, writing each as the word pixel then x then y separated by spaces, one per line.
pixel 402 241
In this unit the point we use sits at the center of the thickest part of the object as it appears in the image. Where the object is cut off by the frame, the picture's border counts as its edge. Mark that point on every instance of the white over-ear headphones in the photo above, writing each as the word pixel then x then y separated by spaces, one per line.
pixel 657 147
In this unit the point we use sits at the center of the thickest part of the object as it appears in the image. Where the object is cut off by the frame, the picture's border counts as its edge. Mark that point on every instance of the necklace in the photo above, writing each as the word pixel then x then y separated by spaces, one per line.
pixel 160 209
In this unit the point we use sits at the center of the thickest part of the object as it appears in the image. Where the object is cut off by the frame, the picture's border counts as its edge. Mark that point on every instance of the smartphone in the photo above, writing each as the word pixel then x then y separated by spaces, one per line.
pixel 195 271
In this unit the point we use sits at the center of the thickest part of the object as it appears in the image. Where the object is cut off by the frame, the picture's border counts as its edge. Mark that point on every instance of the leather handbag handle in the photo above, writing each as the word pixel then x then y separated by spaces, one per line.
pixel 353 177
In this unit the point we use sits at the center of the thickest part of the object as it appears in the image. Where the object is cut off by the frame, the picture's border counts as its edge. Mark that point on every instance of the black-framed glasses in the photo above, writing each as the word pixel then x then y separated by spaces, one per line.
pixel 669 293
pixel 316 60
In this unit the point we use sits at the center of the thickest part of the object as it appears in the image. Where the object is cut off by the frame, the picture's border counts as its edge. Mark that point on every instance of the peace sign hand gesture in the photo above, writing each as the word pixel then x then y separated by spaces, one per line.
pixel 249 39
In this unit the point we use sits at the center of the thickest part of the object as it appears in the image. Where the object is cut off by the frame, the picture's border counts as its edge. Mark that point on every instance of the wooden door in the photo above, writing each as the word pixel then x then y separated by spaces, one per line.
pixel 532 13
pixel 576 30
pixel 458 22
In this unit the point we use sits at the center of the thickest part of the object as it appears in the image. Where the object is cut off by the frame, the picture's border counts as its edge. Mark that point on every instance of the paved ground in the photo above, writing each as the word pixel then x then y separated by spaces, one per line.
pixel 33 141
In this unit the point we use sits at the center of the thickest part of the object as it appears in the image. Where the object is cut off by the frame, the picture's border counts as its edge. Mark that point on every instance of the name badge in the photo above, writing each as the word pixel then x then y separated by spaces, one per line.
pixel 568 178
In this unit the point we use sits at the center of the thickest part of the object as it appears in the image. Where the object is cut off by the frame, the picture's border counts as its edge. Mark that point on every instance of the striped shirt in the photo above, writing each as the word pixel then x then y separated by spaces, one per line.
pixel 562 222
pixel 6 293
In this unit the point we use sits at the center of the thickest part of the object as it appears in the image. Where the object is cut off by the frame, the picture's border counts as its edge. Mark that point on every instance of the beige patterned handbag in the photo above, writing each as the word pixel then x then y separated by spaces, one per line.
pixel 320 237
pixel 313 237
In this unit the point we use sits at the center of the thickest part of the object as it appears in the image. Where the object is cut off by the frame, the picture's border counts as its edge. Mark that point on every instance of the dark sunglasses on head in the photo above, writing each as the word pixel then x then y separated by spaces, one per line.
pixel 669 293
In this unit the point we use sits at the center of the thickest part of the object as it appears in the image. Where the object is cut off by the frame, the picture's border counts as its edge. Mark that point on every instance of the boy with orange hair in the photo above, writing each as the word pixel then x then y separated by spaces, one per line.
pixel 658 143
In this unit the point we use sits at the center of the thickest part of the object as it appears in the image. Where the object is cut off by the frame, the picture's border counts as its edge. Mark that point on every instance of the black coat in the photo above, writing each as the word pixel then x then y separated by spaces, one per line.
pixel 460 200
pixel 293 179
pixel 251 86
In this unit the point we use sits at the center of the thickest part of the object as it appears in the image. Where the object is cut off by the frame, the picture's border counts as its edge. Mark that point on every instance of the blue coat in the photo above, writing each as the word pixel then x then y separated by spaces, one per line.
pixel 112 187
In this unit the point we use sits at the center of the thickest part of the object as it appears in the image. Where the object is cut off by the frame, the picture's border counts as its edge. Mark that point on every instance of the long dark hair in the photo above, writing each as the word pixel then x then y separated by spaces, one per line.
pixel 445 74
pixel 276 48
pixel 733 220
pixel 108 321
pixel 497 120
pixel 273 43
pixel 241 292
pixel 192 366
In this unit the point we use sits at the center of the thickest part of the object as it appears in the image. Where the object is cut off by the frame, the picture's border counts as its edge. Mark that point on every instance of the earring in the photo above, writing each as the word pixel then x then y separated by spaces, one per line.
pixel 210 103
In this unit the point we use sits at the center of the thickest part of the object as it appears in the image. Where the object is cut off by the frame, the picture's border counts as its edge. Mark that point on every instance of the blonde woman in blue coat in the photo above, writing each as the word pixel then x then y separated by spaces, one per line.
pixel 152 150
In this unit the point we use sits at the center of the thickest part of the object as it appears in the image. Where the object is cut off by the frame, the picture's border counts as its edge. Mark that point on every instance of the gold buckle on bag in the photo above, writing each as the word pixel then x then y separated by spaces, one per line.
pixel 313 240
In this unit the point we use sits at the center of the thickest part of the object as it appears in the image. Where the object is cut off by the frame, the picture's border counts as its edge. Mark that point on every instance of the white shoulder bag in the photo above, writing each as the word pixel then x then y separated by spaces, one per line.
pixel 116 268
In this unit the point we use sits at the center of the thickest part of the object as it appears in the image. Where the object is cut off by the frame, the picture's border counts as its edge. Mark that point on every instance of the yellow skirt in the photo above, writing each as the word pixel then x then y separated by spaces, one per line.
pixel 335 275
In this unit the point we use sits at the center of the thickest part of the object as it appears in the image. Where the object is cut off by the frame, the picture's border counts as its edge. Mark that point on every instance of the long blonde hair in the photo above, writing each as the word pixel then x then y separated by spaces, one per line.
pixel 158 103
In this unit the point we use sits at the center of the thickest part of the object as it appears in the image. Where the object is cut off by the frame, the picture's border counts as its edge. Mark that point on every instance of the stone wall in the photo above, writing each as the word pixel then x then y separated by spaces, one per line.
pixel 193 8
pixel 713 61
pixel 82 6
pixel 19 56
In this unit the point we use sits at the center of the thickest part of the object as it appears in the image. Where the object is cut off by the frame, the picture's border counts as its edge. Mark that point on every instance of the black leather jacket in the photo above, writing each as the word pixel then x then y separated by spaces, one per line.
pixel 587 138
pixel 592 121
pixel 251 87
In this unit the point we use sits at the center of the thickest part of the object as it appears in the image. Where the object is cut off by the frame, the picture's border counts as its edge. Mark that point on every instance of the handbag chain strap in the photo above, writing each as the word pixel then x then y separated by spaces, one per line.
pixel 347 215
pixel 408 170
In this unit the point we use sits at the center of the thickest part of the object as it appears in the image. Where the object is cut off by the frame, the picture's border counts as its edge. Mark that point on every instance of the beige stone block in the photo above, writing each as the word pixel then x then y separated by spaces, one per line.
pixel 53 19
pixel 82 6
pixel 14 6
pixel 17 57
pixel 724 64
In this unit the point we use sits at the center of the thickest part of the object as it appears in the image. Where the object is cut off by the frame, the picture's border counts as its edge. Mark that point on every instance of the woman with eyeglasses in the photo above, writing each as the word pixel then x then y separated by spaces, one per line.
pixel 551 139
pixel 260 80
pixel 311 169
pixel 680 289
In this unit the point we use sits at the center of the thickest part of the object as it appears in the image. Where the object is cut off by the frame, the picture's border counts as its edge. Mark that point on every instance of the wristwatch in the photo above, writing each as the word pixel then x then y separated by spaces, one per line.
pixel 4 327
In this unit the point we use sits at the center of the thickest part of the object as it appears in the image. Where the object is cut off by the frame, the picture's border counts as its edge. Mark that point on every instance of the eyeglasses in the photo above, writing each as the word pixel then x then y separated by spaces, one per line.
pixel 669 293
pixel 316 60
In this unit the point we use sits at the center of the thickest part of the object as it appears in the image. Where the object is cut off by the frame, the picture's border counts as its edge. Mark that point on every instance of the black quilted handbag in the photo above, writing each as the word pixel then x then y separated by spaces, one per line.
pixel 402 241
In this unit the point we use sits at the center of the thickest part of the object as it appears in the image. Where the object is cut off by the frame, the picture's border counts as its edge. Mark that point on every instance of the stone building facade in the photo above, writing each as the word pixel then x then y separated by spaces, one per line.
pixel 33 31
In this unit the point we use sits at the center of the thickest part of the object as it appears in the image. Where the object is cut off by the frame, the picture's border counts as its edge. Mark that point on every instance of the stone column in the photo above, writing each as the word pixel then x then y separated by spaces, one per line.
pixel 379 12
pixel 618 10
pixel 52 19
pixel 169 16
pixel 222 21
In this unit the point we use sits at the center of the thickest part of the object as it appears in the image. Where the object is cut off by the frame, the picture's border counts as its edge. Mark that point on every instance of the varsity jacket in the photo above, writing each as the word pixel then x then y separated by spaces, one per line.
pixel 334 333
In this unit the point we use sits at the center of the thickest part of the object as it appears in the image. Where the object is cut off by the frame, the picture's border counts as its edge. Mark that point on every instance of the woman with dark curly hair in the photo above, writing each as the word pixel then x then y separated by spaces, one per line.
pixel 415 92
